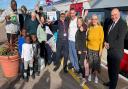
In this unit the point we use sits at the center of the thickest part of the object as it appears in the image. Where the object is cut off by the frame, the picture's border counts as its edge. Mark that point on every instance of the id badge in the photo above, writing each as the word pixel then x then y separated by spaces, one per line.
pixel 65 34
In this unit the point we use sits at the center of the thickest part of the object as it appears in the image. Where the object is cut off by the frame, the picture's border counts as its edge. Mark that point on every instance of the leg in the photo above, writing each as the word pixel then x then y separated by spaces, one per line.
pixel 58 55
pixel 75 58
pixel 25 69
pixel 114 71
pixel 31 67
pixel 65 53
pixel 71 54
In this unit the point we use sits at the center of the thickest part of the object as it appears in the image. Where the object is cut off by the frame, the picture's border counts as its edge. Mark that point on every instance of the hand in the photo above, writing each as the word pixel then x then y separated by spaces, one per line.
pixel 106 45
pixel 7 18
pixel 100 53
pixel 79 52
pixel 81 29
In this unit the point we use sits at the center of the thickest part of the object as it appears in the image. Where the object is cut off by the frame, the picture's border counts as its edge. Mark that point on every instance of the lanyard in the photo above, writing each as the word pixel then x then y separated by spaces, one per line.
pixel 64 26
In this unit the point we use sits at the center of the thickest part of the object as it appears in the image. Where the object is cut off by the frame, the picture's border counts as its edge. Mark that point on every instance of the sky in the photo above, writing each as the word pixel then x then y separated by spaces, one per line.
pixel 28 3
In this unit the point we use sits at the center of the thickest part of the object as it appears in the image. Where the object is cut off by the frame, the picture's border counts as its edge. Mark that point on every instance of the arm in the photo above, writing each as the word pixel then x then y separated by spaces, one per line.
pixel 22 54
pixel 102 39
pixel 122 30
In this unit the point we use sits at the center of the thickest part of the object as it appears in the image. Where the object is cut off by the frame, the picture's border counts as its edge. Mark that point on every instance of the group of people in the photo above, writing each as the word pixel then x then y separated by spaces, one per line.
pixel 77 40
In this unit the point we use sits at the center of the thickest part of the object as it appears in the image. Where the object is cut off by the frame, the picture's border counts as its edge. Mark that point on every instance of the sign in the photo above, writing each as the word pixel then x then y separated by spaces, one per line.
pixel 51 16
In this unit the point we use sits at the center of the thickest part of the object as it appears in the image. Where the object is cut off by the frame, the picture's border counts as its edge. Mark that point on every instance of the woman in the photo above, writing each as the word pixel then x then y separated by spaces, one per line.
pixel 95 38
pixel 81 42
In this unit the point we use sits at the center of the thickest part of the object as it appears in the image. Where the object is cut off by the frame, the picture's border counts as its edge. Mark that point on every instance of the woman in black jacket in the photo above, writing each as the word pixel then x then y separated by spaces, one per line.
pixel 81 43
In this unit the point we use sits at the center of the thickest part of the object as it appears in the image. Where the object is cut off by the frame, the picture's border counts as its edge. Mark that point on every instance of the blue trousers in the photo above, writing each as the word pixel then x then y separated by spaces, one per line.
pixel 73 55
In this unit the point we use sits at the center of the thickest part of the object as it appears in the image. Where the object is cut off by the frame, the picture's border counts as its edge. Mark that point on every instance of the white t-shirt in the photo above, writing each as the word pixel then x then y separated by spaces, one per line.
pixel 72 29
pixel 27 52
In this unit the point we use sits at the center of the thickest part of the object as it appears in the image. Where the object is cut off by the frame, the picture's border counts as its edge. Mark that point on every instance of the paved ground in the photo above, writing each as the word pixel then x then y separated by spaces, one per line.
pixel 48 80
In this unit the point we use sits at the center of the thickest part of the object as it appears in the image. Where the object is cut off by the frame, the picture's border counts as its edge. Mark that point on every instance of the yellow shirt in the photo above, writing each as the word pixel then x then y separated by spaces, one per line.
pixel 95 38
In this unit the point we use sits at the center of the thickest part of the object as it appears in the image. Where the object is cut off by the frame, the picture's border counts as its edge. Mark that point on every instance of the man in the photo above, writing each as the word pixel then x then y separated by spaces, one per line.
pixel 62 42
pixel 11 17
pixel 31 24
pixel 23 16
pixel 115 45
pixel 72 32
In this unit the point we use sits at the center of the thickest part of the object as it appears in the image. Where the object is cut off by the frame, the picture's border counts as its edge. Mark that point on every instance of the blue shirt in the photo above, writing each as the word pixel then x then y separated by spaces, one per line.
pixel 21 41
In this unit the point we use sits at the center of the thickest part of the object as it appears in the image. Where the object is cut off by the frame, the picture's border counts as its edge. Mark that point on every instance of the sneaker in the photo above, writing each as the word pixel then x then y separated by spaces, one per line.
pixel 96 79
pixel 83 81
pixel 89 78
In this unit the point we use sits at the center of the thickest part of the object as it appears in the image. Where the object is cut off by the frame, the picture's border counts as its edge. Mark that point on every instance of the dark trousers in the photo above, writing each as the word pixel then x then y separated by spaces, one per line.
pixel 62 51
pixel 43 53
pixel 81 58
pixel 113 59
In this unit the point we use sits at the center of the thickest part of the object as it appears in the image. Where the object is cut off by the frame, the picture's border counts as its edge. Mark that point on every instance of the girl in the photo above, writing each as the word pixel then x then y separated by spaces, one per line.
pixel 27 57
pixel 95 38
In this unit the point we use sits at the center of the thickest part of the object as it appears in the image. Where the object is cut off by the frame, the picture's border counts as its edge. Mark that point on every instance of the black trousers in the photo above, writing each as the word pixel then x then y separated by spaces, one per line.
pixel 81 58
pixel 43 50
pixel 113 60
pixel 62 51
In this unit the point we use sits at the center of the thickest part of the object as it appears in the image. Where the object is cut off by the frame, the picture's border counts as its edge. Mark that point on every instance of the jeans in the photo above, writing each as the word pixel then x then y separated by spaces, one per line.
pixel 73 55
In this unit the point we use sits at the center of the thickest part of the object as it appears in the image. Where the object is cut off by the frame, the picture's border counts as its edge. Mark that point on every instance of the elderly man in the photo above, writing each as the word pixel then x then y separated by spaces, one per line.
pixel 115 45
pixel 11 17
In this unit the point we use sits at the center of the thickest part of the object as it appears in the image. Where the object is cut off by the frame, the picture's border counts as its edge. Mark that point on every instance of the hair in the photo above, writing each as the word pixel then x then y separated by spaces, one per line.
pixel 72 9
pixel 13 1
pixel 28 36
pixel 24 8
pixel 98 22
pixel 83 23
pixel 62 14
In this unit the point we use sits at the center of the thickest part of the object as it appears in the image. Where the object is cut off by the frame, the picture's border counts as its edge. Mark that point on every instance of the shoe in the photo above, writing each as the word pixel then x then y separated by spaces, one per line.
pixel 96 79
pixel 89 78
pixel 38 73
pixel 65 69
pixel 106 84
pixel 33 76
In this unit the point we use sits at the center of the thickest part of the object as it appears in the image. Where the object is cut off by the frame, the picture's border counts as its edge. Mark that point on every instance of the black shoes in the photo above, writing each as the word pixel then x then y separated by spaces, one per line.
pixel 65 69
pixel 56 68
pixel 106 84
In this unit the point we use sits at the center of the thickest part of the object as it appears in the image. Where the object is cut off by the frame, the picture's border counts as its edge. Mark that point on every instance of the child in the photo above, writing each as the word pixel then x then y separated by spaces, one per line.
pixel 36 50
pixel 21 41
pixel 27 57
pixel 81 44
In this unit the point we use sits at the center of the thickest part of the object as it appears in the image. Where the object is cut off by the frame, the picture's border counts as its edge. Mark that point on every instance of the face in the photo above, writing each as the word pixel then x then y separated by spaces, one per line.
pixel 79 23
pixel 62 17
pixel 73 13
pixel 34 38
pixel 42 19
pixel 24 33
pixel 94 20
pixel 28 40
pixel 14 6
pixel 115 15
pixel 33 15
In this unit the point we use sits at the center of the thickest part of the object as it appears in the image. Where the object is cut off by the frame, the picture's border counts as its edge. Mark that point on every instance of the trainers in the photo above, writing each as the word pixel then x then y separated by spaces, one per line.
pixel 89 78
pixel 96 79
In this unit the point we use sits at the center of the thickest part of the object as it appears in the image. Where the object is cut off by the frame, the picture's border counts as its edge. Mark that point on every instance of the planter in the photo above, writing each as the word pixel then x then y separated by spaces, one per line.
pixel 10 65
